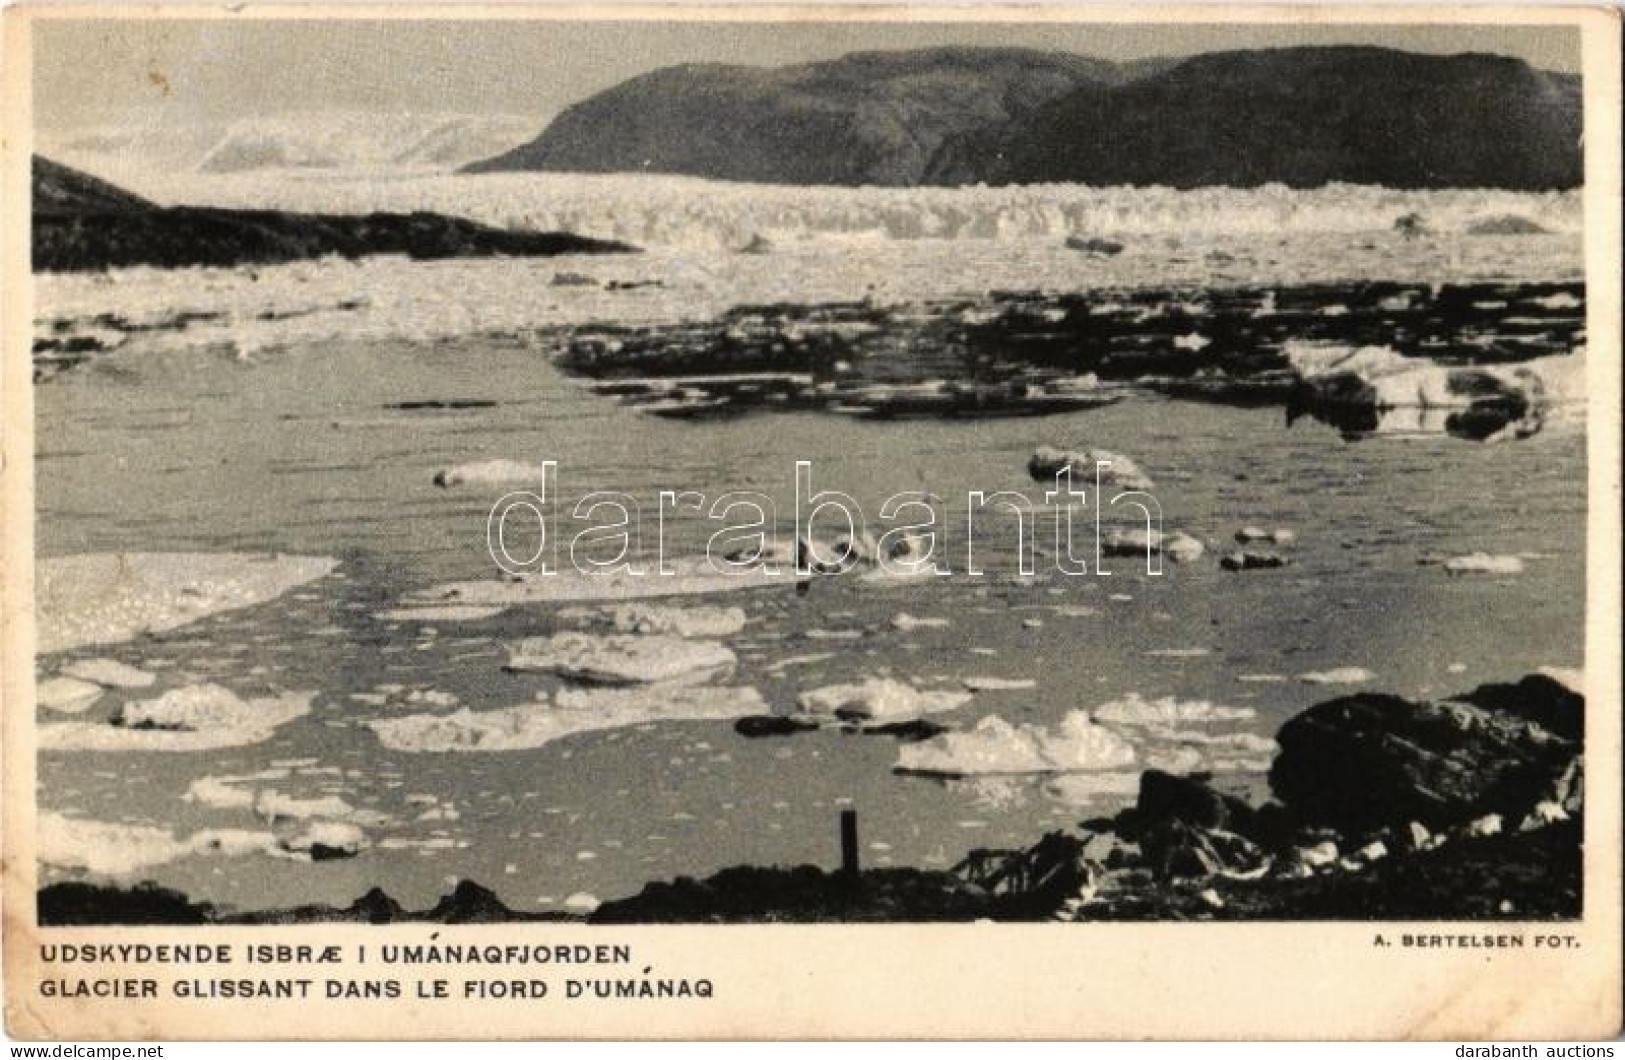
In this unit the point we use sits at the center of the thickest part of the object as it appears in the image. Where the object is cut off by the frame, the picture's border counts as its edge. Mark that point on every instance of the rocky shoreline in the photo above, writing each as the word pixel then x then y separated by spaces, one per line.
pixel 1464 808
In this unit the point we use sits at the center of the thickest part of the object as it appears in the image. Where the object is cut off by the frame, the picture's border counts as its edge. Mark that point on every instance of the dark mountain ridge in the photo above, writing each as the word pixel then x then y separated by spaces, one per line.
pixel 865 118
pixel 81 223
pixel 1298 116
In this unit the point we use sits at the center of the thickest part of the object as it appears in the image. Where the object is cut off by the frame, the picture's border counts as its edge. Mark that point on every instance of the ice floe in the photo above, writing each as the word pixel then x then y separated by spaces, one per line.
pixel 1374 389
pixel 571 711
pixel 1340 675
pixel 994 745
pixel 67 695
pixel 697 621
pixel 109 673
pixel 191 718
pixel 1135 710
pixel 880 700
pixel 621 658
pixel 1081 465
pixel 907 623
pixel 492 473
pixel 122 850
pixel 1483 563
pixel 110 597
pixel 1141 541
pixel 688 576
pixel 999 684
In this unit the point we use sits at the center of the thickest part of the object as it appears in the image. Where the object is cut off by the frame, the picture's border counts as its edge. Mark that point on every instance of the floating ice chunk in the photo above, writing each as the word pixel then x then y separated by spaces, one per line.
pixel 322 840
pixel 109 673
pixel 572 711
pixel 67 695
pixel 689 576
pixel 1140 541
pixel 907 623
pixel 698 621
pixel 219 793
pixel 621 658
pixel 1340 675
pixel 1135 710
pixel 880 700
pixel 1483 563
pixel 272 805
pixel 993 745
pixel 109 597
pixel 582 902
pixel 192 718
pixel 1253 535
pixel 491 473
pixel 1080 464
pixel 999 684
pixel 122 850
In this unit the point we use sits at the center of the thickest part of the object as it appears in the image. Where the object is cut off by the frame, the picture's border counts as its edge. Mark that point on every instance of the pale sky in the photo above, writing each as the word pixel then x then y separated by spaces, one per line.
pixel 96 72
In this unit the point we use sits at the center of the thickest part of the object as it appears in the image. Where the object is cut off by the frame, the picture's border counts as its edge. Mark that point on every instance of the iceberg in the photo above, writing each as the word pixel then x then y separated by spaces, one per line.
pixel 621 658
pixel 571 711
pixel 67 695
pixel 1376 390
pixel 1135 710
pixel 112 597
pixel 109 673
pixel 994 745
pixel 191 718
pixel 122 850
pixel 492 473
pixel 878 700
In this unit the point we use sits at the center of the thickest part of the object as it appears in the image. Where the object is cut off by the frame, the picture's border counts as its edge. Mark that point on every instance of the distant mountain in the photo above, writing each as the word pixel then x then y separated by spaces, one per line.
pixel 324 140
pixel 80 222
pixel 1297 116
pixel 866 118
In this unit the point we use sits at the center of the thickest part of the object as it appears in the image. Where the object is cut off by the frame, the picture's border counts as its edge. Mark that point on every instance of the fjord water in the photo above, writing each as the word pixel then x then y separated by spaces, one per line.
pixel 318 440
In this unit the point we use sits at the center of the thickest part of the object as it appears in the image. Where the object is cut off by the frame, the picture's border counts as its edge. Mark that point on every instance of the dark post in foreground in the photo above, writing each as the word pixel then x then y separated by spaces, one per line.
pixel 849 844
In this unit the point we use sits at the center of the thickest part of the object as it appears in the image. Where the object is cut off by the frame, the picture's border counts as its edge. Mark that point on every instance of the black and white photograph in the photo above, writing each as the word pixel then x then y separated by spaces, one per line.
pixel 584 473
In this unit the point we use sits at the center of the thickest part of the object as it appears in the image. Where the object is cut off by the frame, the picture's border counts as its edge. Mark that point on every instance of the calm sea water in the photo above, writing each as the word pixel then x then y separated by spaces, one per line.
pixel 297 452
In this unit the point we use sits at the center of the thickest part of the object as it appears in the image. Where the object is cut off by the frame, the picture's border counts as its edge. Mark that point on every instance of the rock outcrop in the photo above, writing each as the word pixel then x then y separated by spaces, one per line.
pixel 81 223
pixel 1370 760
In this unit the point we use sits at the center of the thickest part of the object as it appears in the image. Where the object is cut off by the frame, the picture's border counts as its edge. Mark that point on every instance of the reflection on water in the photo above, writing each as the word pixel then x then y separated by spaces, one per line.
pixel 1033 355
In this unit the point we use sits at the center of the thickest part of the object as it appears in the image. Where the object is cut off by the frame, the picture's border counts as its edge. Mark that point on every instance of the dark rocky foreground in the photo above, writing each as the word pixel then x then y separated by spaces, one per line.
pixel 74 903
pixel 1461 809
pixel 82 223
pixel 1296 116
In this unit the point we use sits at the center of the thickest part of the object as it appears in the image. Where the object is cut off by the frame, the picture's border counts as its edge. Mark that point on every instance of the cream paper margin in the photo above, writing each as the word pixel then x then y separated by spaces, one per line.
pixel 1302 980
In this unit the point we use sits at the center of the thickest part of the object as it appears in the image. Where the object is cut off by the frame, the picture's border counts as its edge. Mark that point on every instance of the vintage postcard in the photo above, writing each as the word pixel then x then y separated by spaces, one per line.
pixel 981 521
